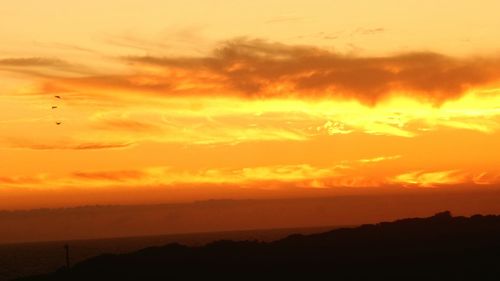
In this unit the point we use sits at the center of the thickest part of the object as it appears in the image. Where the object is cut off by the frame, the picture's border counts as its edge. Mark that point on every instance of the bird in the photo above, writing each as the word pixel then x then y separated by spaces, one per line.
pixel 58 123
pixel 54 107
pixel 57 97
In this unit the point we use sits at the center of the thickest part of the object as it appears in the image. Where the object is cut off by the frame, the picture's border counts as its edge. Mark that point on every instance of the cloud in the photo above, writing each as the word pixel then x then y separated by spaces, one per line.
pixel 369 31
pixel 199 127
pixel 352 173
pixel 104 83
pixel 43 67
pixel 66 47
pixel 66 146
pixel 127 125
pixel 253 90
pixel 33 61
pixel 334 128
pixel 258 69
pixel 111 176
pixel 94 145
pixel 19 180
pixel 379 159
pixel 432 178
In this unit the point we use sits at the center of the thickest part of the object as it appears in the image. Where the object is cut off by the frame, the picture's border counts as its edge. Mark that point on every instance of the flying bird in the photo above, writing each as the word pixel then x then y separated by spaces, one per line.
pixel 54 107
pixel 58 123
pixel 57 97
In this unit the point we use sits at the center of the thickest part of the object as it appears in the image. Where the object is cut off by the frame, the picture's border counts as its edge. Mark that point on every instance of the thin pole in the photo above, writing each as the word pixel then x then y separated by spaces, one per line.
pixel 66 247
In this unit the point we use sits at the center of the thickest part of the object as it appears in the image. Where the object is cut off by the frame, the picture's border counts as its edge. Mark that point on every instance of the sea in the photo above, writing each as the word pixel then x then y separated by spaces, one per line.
pixel 25 259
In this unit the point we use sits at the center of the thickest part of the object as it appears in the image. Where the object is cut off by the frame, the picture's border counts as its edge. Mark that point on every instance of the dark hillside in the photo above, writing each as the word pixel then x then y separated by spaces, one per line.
pixel 440 247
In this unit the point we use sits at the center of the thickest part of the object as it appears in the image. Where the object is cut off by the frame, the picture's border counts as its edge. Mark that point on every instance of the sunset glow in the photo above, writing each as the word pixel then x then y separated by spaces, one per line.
pixel 290 101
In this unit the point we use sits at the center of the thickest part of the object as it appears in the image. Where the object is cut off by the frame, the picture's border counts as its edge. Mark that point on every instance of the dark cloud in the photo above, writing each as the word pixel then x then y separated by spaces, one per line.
pixel 255 68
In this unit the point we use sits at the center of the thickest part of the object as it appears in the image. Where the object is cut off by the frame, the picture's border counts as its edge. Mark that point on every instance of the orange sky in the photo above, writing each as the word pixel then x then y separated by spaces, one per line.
pixel 165 101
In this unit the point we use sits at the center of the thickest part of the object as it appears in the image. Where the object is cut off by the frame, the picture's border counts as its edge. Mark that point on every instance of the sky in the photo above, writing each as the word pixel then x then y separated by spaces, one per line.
pixel 178 101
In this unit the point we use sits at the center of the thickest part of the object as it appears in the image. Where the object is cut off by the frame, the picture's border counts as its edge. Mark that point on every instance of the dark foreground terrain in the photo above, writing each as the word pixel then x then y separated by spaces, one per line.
pixel 35 258
pixel 440 247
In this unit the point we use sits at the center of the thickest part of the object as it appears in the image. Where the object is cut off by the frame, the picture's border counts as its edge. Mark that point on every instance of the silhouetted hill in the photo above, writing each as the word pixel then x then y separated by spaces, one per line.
pixel 440 247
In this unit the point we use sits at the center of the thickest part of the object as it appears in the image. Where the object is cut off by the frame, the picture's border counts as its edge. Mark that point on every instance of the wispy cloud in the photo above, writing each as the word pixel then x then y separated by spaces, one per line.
pixel 33 61
pixel 432 178
pixel 379 159
pixel 368 31
pixel 43 66
pixel 20 180
pixel 30 144
pixel 127 125
pixel 111 176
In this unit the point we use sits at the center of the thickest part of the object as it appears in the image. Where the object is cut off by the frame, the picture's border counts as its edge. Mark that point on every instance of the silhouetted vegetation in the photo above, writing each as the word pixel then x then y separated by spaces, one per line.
pixel 440 247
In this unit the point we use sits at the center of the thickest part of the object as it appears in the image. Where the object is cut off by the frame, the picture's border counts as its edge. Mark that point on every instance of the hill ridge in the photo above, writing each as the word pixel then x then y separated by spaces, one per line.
pixel 440 247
